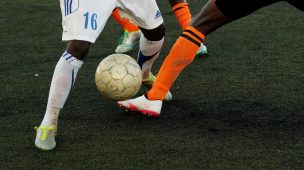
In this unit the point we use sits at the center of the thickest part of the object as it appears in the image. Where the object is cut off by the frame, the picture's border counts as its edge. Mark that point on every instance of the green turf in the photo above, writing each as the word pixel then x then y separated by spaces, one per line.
pixel 239 108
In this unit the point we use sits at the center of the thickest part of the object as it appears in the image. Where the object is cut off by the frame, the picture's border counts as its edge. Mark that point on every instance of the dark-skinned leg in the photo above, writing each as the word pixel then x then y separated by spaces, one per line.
pixel 205 22
pixel 181 55
pixel 183 15
pixel 184 49
pixel 78 49
pixel 209 18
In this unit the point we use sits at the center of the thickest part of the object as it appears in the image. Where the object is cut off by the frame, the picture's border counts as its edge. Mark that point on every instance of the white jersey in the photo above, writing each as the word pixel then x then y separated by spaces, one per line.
pixel 85 19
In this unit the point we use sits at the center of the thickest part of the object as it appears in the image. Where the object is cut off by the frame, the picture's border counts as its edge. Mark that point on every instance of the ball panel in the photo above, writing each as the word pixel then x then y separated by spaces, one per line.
pixel 133 68
pixel 122 59
pixel 129 92
pixel 118 71
pixel 106 64
pixel 102 88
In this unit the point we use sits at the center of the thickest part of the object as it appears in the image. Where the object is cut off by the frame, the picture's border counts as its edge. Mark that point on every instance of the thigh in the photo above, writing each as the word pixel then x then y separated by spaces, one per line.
pixel 145 13
pixel 84 19
pixel 236 9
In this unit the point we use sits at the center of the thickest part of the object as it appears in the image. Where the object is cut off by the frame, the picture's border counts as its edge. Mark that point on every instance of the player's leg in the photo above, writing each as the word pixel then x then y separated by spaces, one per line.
pixel 182 12
pixel 183 15
pixel 80 28
pixel 147 16
pixel 183 52
pixel 131 33
pixel 63 79
pixel 150 45
pixel 214 14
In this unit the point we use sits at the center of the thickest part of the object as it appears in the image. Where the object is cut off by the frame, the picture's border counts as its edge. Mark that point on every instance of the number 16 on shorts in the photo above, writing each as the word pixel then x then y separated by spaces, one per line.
pixel 90 20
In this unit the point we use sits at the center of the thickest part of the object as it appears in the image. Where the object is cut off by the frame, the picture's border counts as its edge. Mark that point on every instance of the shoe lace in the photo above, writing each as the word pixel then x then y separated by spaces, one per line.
pixel 45 130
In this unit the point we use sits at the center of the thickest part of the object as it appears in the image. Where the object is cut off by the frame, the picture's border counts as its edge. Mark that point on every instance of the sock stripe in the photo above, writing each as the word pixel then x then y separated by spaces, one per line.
pixel 71 59
pixel 191 39
pixel 68 57
pixel 65 53
pixel 195 35
pixel 141 59
pixel 73 78
pixel 179 6
pixel 177 9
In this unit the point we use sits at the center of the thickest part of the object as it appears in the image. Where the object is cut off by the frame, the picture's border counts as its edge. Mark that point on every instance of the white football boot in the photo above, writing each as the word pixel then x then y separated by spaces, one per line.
pixel 45 137
pixel 127 41
pixel 142 105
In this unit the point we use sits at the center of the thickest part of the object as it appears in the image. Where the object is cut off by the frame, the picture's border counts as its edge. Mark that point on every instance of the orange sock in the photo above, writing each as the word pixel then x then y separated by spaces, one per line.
pixel 183 14
pixel 181 54
pixel 124 22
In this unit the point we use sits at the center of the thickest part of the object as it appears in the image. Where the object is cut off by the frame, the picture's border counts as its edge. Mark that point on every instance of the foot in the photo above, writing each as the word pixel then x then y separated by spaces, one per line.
pixel 149 83
pixel 202 50
pixel 142 105
pixel 45 137
pixel 127 41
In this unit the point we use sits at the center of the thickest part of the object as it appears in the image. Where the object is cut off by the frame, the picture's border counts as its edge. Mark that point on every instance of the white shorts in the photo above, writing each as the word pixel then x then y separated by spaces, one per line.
pixel 85 19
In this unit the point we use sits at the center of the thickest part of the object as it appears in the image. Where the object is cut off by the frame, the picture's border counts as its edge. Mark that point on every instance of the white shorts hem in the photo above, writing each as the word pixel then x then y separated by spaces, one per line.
pixel 81 38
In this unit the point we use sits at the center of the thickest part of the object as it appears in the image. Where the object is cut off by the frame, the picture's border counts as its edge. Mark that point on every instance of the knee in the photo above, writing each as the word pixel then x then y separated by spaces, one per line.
pixel 78 49
pixel 155 34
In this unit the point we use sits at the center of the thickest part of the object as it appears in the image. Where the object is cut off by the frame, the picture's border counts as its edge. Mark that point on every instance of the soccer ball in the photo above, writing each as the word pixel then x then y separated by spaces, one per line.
pixel 118 77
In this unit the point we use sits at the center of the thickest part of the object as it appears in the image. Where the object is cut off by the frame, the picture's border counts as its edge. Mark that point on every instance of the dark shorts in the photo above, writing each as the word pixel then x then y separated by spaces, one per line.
pixel 239 8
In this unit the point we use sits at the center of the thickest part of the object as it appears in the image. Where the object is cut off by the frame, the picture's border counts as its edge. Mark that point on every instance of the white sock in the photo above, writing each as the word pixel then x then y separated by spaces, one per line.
pixel 149 52
pixel 63 79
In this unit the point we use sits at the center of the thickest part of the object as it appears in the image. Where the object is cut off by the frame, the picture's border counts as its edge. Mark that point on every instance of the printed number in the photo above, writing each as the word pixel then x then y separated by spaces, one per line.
pixel 93 20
